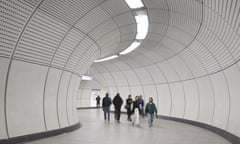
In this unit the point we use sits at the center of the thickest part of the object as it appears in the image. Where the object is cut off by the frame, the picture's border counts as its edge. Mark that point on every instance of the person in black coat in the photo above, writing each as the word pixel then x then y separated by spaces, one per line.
pixel 136 111
pixel 106 103
pixel 128 106
pixel 117 102
pixel 98 98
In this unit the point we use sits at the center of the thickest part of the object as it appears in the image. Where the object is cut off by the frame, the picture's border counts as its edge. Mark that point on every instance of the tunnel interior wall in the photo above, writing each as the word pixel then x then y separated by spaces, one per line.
pixel 210 99
pixel 35 103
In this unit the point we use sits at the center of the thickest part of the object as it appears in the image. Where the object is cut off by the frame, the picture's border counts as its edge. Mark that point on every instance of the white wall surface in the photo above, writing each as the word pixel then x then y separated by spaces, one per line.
pixel 51 98
pixel 189 68
pixel 178 100
pixel 62 98
pixel 164 100
pixel 206 100
pixel 25 99
pixel 71 97
pixel 192 100
pixel 221 92
pixel 3 72
pixel 233 77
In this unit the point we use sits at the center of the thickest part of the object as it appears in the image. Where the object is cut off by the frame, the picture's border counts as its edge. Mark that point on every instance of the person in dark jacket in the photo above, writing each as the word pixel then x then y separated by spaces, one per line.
pixel 117 101
pixel 136 111
pixel 98 98
pixel 149 110
pixel 106 103
pixel 141 104
pixel 128 106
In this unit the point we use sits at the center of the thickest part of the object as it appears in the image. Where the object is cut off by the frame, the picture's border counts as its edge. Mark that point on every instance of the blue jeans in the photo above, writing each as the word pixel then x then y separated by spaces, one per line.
pixel 106 111
pixel 150 119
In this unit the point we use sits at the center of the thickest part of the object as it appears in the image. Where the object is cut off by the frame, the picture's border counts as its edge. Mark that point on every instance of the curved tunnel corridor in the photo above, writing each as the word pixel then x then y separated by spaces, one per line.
pixel 188 61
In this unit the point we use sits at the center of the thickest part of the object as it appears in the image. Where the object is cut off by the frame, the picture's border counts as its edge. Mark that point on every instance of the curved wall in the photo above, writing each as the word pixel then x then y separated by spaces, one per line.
pixel 189 62
pixel 42 58
pixel 211 99
pixel 192 72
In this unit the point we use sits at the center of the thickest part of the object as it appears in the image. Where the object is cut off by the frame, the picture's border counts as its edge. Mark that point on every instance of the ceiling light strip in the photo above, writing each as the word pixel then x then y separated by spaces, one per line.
pixel 132 47
pixel 141 18
pixel 106 58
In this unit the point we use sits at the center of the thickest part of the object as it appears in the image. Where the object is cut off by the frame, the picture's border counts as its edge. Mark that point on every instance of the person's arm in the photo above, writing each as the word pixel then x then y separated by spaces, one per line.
pixel 155 109
pixel 146 109
pixel 102 102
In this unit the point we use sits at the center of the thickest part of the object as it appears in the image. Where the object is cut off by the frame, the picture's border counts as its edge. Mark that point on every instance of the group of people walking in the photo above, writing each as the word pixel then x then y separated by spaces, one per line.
pixel 135 108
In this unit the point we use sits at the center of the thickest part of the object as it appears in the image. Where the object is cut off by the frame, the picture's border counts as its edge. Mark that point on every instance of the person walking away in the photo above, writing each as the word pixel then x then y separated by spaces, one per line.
pixel 117 102
pixel 98 98
pixel 141 105
pixel 106 103
pixel 149 110
pixel 128 106
pixel 136 111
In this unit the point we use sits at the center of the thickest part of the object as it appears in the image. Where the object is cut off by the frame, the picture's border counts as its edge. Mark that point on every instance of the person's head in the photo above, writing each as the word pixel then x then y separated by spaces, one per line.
pixel 136 97
pixel 107 94
pixel 118 94
pixel 140 96
pixel 129 96
pixel 151 99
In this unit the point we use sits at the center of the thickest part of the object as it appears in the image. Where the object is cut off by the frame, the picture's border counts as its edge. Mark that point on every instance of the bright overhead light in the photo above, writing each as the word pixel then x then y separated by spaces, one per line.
pixel 86 77
pixel 107 58
pixel 142 26
pixel 132 47
pixel 134 4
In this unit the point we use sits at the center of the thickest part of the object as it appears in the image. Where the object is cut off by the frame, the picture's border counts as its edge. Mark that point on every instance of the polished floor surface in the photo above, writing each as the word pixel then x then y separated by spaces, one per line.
pixel 95 131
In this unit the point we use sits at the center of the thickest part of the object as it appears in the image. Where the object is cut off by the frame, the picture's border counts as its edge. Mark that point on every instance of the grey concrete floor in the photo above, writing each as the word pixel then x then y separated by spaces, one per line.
pixel 95 131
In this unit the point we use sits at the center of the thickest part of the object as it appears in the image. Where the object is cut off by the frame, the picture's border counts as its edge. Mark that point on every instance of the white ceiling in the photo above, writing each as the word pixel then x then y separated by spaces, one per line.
pixel 190 37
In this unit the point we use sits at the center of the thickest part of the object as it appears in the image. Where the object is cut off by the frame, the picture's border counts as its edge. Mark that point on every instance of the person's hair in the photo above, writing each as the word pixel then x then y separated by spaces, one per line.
pixel 118 94
pixel 107 94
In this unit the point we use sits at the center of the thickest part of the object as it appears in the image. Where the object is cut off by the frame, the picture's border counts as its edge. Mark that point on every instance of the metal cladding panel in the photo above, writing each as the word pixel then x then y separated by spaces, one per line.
pixel 40 39
pixel 221 92
pixel 115 7
pixel 103 29
pixel 156 74
pixel 168 70
pixel 14 15
pixel 66 47
pixel 120 78
pixel 92 19
pixel 109 79
pixel 132 78
pixel 125 19
pixel 181 68
pixel 3 72
pixel 69 11
pixel 144 76
pixel 193 63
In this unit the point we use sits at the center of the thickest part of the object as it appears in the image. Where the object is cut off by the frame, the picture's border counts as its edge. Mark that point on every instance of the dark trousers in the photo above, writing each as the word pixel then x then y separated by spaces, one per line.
pixel 106 111
pixel 129 113
pixel 117 113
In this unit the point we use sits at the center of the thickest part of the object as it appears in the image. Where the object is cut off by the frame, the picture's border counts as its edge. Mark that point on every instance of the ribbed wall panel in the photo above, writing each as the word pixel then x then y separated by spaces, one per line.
pixel 14 15
pixel 41 39
pixel 95 17
pixel 69 11
pixel 72 39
